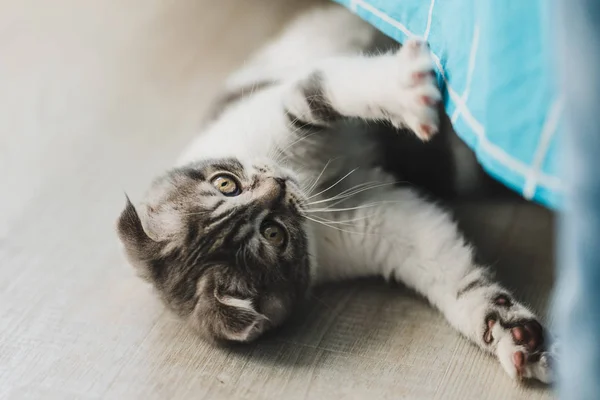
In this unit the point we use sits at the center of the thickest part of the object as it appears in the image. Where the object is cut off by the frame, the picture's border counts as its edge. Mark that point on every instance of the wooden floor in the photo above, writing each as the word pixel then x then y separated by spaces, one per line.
pixel 98 96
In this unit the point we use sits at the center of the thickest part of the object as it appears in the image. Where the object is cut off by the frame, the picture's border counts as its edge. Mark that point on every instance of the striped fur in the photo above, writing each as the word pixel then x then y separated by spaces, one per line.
pixel 216 268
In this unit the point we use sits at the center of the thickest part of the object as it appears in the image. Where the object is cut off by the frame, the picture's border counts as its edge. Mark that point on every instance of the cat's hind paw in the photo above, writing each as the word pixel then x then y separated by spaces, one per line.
pixel 523 353
pixel 521 343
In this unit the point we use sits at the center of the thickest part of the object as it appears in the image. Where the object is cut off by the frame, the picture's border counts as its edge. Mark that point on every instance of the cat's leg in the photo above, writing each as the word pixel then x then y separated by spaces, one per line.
pixel 399 87
pixel 398 235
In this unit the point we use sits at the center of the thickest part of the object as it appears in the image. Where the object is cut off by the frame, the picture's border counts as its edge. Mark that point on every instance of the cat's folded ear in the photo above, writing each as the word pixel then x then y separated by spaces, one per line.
pixel 237 319
pixel 139 245
pixel 156 223
pixel 225 317
pixel 130 228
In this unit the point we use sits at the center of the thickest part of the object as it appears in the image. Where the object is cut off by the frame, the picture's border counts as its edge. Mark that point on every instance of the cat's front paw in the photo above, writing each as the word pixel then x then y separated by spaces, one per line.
pixel 521 343
pixel 415 103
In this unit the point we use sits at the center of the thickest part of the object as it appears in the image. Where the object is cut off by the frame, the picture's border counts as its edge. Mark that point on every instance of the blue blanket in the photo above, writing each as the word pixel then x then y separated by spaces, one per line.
pixel 493 60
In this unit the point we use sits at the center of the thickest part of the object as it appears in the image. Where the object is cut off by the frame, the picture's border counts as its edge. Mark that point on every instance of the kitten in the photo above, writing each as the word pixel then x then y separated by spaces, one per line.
pixel 285 189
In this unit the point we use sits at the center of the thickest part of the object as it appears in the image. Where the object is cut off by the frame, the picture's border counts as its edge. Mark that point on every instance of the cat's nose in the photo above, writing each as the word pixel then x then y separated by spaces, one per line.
pixel 281 182
pixel 273 191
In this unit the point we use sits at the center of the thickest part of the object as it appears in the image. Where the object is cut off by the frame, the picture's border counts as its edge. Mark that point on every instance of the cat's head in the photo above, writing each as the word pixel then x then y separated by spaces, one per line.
pixel 224 244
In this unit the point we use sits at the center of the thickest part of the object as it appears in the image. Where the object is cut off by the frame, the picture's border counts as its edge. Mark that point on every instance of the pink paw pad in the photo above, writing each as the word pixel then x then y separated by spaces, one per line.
pixel 519 362
pixel 503 301
pixel 528 333
pixel 427 131
pixel 487 335
pixel 428 101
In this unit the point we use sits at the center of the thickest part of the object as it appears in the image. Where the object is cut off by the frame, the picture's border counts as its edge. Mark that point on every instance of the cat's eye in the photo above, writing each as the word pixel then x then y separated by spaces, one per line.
pixel 227 185
pixel 274 233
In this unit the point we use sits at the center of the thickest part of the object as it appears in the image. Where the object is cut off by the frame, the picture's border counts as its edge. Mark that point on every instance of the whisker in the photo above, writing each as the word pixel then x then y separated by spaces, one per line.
pixel 346 191
pixel 336 228
pixel 360 185
pixel 312 186
pixel 332 186
pixel 327 209
pixel 349 190
pixel 298 140
pixel 354 193
pixel 391 183
pixel 343 222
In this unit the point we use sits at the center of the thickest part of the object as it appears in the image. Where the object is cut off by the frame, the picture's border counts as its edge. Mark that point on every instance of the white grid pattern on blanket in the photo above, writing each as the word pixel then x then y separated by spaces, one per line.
pixel 472 55
pixel 532 174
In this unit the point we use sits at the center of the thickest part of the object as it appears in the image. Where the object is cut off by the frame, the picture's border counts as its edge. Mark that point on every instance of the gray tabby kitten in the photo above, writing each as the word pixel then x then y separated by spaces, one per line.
pixel 284 190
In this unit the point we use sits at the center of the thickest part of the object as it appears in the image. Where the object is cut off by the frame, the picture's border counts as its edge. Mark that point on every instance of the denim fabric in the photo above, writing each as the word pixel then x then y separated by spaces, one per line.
pixel 577 298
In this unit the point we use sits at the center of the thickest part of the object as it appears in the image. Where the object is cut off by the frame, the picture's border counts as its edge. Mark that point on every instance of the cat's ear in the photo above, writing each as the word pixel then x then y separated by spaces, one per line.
pixel 157 223
pixel 138 244
pixel 160 222
pixel 238 319
pixel 227 317
pixel 130 228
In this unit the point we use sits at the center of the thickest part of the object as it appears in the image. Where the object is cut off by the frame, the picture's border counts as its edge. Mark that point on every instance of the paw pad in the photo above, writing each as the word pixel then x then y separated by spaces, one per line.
pixel 487 335
pixel 428 101
pixel 502 300
pixel 420 76
pixel 528 333
pixel 519 362
pixel 517 338
pixel 427 131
